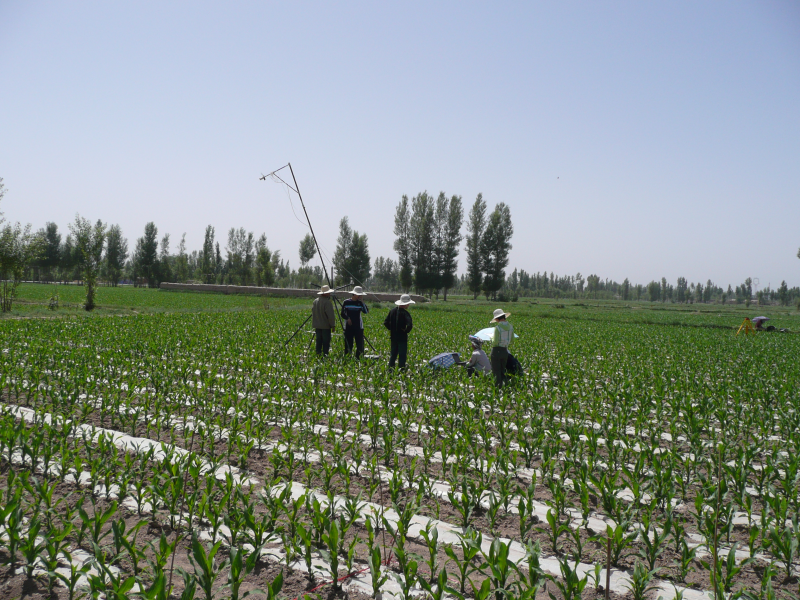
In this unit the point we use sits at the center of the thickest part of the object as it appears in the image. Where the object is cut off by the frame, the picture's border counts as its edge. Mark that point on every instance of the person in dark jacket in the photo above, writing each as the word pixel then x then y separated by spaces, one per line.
pixel 352 309
pixel 399 324
pixel 323 320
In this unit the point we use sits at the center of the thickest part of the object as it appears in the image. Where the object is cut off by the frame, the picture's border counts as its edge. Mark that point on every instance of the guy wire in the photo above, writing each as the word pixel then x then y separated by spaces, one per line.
pixel 289 195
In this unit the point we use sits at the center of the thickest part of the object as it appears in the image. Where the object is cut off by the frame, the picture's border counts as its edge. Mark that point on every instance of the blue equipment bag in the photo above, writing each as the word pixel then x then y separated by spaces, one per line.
pixel 444 360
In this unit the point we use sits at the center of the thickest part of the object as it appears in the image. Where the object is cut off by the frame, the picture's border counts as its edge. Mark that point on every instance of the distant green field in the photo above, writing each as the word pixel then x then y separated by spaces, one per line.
pixel 32 301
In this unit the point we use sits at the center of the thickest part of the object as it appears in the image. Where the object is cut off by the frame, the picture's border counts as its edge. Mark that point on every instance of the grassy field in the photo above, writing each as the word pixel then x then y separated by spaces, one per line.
pixel 185 451
pixel 33 300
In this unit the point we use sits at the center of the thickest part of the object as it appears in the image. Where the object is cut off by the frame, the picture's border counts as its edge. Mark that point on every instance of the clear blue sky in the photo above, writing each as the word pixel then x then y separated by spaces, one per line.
pixel 636 139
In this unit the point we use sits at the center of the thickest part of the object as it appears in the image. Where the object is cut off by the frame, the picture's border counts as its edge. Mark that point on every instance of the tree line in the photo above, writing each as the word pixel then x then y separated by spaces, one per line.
pixel 428 230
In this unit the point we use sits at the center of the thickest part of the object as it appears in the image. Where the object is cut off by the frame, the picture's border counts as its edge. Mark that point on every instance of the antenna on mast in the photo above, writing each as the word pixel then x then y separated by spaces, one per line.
pixel 296 189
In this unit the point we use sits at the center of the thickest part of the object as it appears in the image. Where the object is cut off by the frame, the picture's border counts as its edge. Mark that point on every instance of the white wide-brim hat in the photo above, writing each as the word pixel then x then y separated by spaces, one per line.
pixel 405 300
pixel 499 313
pixel 325 289
pixel 358 291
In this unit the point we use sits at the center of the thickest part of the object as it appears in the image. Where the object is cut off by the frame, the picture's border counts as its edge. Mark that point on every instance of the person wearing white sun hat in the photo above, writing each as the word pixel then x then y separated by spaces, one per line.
pixel 323 319
pixel 501 338
pixel 352 309
pixel 399 324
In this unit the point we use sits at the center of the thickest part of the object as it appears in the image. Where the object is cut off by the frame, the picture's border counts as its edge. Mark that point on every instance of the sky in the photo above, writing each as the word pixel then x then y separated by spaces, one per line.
pixel 629 139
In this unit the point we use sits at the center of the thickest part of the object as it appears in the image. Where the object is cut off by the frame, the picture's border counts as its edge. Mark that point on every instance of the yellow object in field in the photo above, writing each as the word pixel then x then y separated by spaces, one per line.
pixel 746 326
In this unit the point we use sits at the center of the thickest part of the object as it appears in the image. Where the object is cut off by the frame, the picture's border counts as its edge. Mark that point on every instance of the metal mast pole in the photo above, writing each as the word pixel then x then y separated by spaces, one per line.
pixel 319 252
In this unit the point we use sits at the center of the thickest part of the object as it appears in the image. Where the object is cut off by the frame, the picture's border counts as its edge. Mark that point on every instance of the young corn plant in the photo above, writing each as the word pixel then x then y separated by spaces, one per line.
pixel 375 564
pixel 274 587
pixel 95 523
pixel 11 518
pixel 493 511
pixel 306 549
pixel 160 554
pixel 470 545
pixel 241 565
pixel 189 584
pixel 555 531
pixel 205 569
pixel 400 531
pixel 782 543
pixel 730 569
pixel 70 581
pixel 654 541
pixel 571 584
pixel 112 582
pixel 431 536
pixel 32 546
pixel 437 589
pixel 409 579
pixel 622 537
pixel 124 542
pixel 333 539
pixel 158 589
pixel 499 568
pixel 535 578
pixel 214 513
pixel 466 499
pixel 686 558
pixel 55 547
pixel 641 581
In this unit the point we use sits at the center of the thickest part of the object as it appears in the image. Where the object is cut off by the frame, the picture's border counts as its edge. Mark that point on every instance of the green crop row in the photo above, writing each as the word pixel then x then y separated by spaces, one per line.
pixel 671 449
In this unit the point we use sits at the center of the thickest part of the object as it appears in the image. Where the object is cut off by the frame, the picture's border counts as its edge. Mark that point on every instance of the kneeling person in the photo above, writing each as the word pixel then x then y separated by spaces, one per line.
pixel 478 362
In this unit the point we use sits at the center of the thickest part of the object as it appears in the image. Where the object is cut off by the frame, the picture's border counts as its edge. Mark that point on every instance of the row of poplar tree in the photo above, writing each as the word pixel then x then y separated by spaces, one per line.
pixel 428 235
pixel 246 261
pixel 428 239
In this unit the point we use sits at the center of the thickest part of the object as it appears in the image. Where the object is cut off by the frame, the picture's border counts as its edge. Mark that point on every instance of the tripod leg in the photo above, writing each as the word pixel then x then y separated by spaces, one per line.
pixel 297 330
pixel 370 344
pixel 311 341
pixel 341 320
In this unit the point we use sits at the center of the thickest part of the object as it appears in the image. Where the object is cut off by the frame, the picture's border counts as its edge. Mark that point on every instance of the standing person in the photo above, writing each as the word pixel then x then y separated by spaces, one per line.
pixel 478 362
pixel 501 338
pixel 399 324
pixel 352 309
pixel 323 319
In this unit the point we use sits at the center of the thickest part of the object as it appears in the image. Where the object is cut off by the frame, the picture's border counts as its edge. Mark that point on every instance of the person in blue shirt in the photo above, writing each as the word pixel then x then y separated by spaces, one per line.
pixel 352 309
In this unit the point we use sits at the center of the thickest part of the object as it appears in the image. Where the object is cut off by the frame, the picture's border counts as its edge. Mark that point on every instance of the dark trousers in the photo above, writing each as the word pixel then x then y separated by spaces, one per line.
pixel 499 358
pixel 352 334
pixel 323 341
pixel 399 349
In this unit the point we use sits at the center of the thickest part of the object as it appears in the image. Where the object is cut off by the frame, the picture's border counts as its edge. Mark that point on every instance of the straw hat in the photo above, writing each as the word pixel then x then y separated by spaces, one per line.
pixel 405 300
pixel 324 290
pixel 358 291
pixel 499 313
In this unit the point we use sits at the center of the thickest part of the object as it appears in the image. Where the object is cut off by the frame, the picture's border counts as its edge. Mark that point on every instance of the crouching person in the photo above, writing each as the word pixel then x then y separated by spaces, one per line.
pixel 478 362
